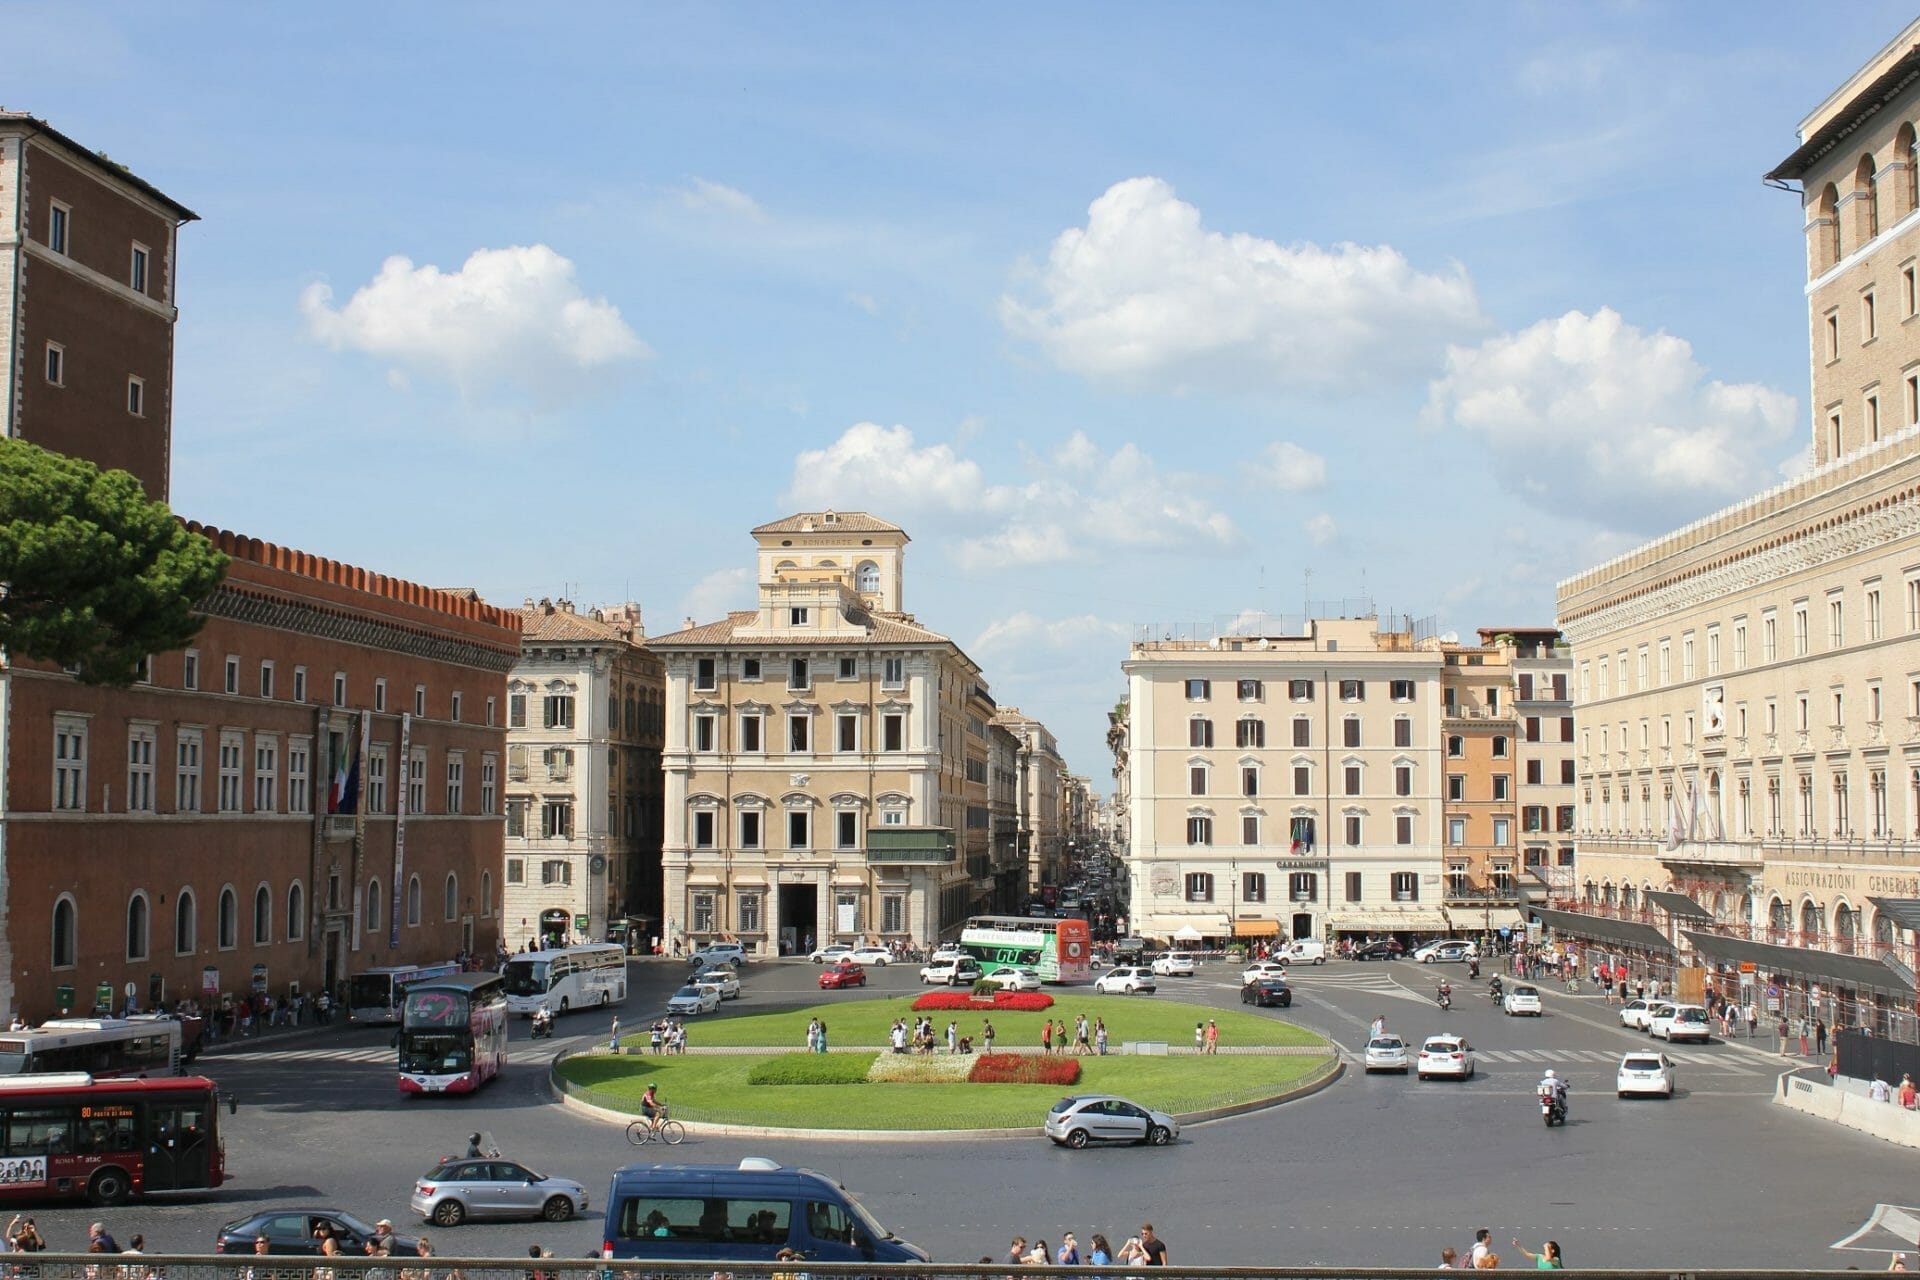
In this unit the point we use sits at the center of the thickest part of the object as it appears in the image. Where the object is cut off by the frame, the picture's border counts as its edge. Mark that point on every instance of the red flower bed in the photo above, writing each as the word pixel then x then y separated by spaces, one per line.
pixel 1021 1068
pixel 1018 1001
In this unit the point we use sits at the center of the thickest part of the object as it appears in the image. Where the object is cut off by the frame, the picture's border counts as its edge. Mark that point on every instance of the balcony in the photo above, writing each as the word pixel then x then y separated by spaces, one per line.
pixel 1475 895
pixel 922 845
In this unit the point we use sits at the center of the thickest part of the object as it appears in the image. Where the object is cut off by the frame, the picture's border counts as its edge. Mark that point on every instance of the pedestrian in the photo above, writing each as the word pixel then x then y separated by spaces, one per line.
pixel 1482 1247
pixel 898 1035
pixel 1449 1259
pixel 1046 1037
pixel 1548 1259
pixel 613 1040
pixel 1199 1037
pixel 138 1244
pixel 1820 1036
pixel 953 1036
pixel 1879 1091
pixel 1784 1031
pixel 1753 1019
pixel 97 1234
pixel 986 1035
pixel 1099 1252
pixel 1152 1246
pixel 1907 1092
pixel 1017 1251
pixel 1803 1029
pixel 823 1035
pixel 1213 1036
pixel 1898 1262
pixel 1131 1254
pixel 656 1036
pixel 1069 1255
pixel 1039 1255
pixel 1100 1036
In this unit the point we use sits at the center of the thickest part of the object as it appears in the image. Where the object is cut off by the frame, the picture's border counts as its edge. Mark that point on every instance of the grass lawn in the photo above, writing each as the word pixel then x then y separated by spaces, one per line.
pixel 856 1023
pixel 714 1089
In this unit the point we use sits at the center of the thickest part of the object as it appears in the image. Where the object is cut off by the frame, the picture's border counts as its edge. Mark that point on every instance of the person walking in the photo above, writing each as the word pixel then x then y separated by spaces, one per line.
pixel 1199 1037
pixel 1152 1246
pixel 1100 1036
pixel 1784 1031
pixel 1449 1259
pixel 613 1039
pixel 1213 1036
pixel 1046 1037
pixel 1069 1254
pixel 1548 1259
pixel 953 1037
pixel 1820 1036
pixel 1753 1019
pixel 986 1035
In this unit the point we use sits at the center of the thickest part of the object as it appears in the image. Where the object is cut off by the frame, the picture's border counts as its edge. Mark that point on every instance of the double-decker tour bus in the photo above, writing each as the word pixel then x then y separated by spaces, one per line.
pixel 1058 950
pixel 374 996
pixel 453 1033
pixel 69 1136
pixel 567 978
pixel 101 1047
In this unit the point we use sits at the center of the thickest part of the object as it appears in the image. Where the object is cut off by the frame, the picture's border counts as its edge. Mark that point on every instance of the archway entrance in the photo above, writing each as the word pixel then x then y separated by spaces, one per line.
pixel 799 917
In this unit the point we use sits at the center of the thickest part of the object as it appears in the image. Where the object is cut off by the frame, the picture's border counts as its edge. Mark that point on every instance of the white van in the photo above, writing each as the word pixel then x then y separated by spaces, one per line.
pixel 1306 951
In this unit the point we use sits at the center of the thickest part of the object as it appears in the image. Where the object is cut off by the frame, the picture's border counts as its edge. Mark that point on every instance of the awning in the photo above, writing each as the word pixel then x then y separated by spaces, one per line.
pixel 1625 933
pixel 1187 933
pixel 1255 928
pixel 1856 972
pixel 1391 921
pixel 1678 905
pixel 1905 911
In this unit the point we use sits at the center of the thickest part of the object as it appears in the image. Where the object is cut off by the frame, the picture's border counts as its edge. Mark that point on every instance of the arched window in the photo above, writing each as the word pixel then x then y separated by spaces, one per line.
pixel 413 900
pixel 1828 230
pixel 1883 928
pixel 1843 926
pixel 262 916
pixel 1907 148
pixel 1810 919
pixel 65 944
pixel 229 919
pixel 373 905
pixel 1626 897
pixel 1866 191
pixel 486 893
pixel 866 578
pixel 137 925
pixel 185 926
pixel 1779 919
pixel 453 896
pixel 296 912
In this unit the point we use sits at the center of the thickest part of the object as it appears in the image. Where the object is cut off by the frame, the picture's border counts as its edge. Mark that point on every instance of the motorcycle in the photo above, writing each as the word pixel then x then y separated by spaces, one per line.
pixel 1497 994
pixel 1553 1107
pixel 1473 967
pixel 542 1027
pixel 1445 997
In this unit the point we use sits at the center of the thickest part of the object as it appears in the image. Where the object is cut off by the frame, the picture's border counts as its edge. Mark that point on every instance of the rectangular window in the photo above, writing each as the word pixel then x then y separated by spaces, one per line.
pixel 1300 690
pixel 849 668
pixel 1873 613
pixel 190 670
pixel 1535 772
pixel 1199 733
pixel 377 780
pixel 140 748
pixel 1800 629
pixel 1250 733
pixel 1403 829
pixel 1739 646
pixel 893 672
pixel 1456 830
pixel 1769 637
pixel 1253 885
pixel 750 668
pixel 1873 419
pixel 1249 690
pixel 705 677
pixel 1406 886
pixel 1302 780
pixel 1836 621
pixel 750 733
pixel 454 703
pixel 705 737
pixel 420 700
pixel 299 776
pixel 266 679
pixel 893 732
pixel 798 726
pixel 1869 329
pixel 1502 786
pixel 1249 781
pixel 1350 731
pixel 797 826
pixel 1456 786
pixel 516 711
pixel 489 784
pixel 1352 779
pixel 846 829
pixel 59 224
pixel 556 822
pixel 266 773
pixel 136 396
pixel 749 828
pixel 703 829
pixel 1403 780
pixel 417 785
pixel 232 750
pixel 1400 690
pixel 1249 829
pixel 186 771
pixel 1503 831
pixel 1197 780
pixel 230 677
pixel 456 783
pixel 1353 691
pixel 1355 886
pixel 137 269
pixel 846 732
pixel 1402 732
pixel 56 364
pixel 1353 830
pixel 557 711
pixel 1302 731
pixel 1199 886
pixel 797 677
pixel 797 616
pixel 1199 690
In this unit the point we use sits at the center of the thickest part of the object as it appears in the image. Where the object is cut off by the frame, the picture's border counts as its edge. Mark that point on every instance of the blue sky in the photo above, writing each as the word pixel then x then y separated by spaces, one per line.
pixel 1129 314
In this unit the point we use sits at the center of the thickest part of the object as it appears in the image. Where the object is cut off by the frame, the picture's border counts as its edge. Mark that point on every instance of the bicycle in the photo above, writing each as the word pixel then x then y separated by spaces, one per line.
pixel 671 1132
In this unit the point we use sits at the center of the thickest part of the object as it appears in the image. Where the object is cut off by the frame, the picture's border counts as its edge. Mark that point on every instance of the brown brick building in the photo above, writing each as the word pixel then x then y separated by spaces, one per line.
pixel 310 789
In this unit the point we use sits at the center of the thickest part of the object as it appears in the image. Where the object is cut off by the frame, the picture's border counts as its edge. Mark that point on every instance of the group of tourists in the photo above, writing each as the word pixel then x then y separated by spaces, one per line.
pixel 1144 1250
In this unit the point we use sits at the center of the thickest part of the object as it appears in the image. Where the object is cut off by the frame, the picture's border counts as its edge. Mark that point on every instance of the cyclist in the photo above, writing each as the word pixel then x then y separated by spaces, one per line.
pixel 652 1108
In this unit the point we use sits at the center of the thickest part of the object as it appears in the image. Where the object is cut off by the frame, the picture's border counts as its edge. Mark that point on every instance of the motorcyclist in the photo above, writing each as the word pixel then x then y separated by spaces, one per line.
pixel 1554 1086
pixel 543 1020
pixel 1473 966
pixel 473 1146
pixel 1497 989
pixel 1446 993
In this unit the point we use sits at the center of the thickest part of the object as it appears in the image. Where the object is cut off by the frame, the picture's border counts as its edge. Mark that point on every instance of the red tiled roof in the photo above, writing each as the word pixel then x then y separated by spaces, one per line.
pixel 843 522
pixel 561 626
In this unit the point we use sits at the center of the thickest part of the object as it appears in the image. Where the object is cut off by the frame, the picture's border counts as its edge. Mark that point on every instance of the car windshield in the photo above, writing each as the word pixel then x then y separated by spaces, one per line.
pixel 691 993
pixel 1691 1015
pixel 1640 1064
pixel 1386 1042
pixel 1443 1046
pixel 1526 991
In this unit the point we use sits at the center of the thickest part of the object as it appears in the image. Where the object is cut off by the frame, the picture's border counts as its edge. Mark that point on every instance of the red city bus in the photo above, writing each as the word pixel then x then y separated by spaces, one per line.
pixel 68 1136
pixel 453 1033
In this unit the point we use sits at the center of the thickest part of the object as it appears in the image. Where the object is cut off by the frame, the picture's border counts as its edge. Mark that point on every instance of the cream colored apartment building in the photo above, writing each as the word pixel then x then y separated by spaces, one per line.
pixel 1749 686
pixel 1285 782
pixel 828 760
pixel 1040 817
pixel 584 712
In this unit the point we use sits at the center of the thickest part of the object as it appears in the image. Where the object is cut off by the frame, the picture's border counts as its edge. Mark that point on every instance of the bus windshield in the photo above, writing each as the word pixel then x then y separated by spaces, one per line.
pixel 369 990
pixel 526 977
pixel 435 1053
pixel 437 1009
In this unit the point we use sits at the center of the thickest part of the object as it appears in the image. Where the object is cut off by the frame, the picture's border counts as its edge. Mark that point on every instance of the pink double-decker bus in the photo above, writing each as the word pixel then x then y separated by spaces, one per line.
pixel 453 1033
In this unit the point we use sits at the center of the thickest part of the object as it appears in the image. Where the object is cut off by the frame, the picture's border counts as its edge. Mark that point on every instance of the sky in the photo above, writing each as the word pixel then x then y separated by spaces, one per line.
pixel 1130 315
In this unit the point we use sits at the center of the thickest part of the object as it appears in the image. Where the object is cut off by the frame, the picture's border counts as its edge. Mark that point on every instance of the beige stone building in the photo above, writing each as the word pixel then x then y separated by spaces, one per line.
pixel 584 720
pixel 828 759
pixel 1749 686
pixel 1043 837
pixel 1285 782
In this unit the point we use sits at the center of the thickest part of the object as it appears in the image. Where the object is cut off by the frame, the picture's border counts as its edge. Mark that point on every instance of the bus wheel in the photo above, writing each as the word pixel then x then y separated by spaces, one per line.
pixel 563 1004
pixel 108 1186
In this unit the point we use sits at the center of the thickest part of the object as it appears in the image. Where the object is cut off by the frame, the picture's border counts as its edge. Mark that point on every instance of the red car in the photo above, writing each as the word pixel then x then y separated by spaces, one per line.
pixel 845 974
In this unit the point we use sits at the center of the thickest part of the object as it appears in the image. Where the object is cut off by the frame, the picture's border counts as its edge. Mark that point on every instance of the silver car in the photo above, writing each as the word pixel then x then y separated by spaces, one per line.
pixel 1078 1119
pixel 455 1190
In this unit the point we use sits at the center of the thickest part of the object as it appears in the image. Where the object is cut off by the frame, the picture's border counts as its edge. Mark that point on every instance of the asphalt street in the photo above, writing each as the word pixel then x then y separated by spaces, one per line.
pixel 1377 1170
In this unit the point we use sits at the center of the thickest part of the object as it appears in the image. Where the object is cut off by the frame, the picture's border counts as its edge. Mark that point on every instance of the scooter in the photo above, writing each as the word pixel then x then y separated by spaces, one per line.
pixel 542 1027
pixel 1445 997
pixel 1497 994
pixel 1553 1108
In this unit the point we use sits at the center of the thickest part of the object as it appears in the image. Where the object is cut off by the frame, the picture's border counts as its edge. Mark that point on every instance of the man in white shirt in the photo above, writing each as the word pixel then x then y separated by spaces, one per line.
pixel 1880 1091
pixel 1482 1245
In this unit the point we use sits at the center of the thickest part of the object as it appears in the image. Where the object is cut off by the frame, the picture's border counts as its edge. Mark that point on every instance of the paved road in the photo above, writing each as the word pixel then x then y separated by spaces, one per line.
pixel 1377 1170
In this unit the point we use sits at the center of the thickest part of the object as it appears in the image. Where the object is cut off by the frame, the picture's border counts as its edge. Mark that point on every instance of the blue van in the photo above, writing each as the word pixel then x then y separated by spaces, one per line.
pixel 744 1213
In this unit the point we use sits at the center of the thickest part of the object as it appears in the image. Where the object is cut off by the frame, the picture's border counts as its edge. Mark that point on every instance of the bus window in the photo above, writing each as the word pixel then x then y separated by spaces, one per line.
pixel 33 1131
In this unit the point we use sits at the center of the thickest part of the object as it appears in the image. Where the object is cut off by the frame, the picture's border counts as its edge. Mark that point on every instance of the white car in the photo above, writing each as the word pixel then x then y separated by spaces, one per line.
pixel 1263 969
pixel 1015 979
pixel 722 980
pixel 1683 1022
pixel 1637 1013
pixel 1521 999
pixel 1445 1056
pixel 871 955
pixel 694 999
pixel 1644 1072
pixel 1174 964
pixel 1445 949
pixel 1125 980
pixel 1659 1015
pixel 951 973
pixel 947 955
pixel 830 953
pixel 721 953
pixel 1387 1053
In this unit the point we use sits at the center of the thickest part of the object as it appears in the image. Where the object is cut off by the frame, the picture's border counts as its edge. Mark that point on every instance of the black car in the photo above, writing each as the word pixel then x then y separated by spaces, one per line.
pixel 1387 950
pixel 1267 991
pixel 297 1231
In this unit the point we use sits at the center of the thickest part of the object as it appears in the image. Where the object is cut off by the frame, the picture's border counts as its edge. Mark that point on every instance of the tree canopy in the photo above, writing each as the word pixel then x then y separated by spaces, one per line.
pixel 94 575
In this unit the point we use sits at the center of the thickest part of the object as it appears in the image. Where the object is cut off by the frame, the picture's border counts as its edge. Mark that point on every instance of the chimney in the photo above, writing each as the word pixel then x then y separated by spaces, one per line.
pixel 689 624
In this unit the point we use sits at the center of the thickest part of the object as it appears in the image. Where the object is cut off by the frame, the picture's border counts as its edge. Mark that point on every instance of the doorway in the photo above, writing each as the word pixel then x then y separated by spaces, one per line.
pixel 335 948
pixel 799 917
pixel 1302 925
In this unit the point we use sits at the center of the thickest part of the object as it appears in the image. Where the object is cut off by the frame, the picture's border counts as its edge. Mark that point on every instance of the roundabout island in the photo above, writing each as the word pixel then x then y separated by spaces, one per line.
pixel 757 1072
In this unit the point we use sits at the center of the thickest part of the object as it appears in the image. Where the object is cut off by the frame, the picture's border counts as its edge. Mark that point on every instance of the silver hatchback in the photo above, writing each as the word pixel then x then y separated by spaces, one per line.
pixel 455 1190
pixel 1078 1119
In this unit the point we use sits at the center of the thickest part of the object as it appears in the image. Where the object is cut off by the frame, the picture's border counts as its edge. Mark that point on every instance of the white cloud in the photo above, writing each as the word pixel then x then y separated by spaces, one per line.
pixel 703 195
pixel 1590 416
pixel 715 595
pixel 1145 296
pixel 513 315
pixel 1023 633
pixel 1321 530
pixel 1291 469
pixel 1071 502
pixel 866 302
